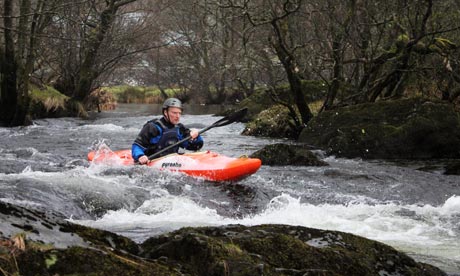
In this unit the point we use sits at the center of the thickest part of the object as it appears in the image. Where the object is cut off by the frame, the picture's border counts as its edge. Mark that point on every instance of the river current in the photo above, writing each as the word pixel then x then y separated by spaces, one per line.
pixel 44 166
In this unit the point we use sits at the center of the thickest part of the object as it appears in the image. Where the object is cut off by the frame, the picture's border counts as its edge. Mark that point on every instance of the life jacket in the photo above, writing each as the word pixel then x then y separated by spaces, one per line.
pixel 167 137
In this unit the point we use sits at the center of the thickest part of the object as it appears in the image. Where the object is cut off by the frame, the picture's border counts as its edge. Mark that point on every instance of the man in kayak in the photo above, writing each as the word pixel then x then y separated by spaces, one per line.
pixel 158 134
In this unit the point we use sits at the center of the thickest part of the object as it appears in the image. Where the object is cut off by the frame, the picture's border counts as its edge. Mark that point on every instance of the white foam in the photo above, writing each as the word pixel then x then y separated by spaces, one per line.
pixel 171 212
pixel 451 206
pixel 410 227
pixel 106 128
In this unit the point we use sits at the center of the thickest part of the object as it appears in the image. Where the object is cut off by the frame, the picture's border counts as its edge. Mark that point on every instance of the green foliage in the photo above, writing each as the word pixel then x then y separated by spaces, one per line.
pixel 46 93
pixel 131 95
pixel 401 41
pixel 51 260
pixel 442 45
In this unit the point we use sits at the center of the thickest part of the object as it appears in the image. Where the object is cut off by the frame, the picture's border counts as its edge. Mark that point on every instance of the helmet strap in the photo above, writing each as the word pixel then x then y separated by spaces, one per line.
pixel 165 115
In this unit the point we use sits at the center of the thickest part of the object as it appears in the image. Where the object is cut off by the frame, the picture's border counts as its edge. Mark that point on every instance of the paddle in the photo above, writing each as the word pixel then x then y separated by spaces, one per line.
pixel 231 118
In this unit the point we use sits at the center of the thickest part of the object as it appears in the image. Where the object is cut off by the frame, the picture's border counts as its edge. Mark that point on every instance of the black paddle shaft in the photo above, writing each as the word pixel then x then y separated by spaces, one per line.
pixel 231 118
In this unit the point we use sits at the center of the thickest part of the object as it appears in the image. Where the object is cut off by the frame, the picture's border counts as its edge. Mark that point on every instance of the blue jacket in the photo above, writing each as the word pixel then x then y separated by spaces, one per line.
pixel 157 134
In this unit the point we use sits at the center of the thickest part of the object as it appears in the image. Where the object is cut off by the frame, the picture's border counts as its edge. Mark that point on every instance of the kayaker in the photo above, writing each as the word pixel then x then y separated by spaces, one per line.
pixel 158 134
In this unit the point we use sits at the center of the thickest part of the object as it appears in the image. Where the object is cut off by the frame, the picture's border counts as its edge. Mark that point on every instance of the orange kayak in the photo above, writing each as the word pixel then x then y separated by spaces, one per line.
pixel 206 165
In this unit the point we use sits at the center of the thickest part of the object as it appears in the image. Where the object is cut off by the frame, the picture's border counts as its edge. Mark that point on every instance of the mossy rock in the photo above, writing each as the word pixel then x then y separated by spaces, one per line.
pixel 273 122
pixel 86 261
pixel 284 155
pixel 279 250
pixel 413 128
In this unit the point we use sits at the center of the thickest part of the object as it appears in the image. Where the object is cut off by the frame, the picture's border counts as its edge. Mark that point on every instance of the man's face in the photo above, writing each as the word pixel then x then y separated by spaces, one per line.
pixel 173 114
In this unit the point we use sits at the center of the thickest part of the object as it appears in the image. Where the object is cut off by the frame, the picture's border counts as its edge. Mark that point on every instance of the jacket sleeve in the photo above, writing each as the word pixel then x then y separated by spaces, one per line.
pixel 191 145
pixel 144 140
pixel 137 151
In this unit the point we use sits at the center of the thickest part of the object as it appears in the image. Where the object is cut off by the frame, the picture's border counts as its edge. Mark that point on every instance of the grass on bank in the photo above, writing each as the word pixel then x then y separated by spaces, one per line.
pixel 46 102
pixel 49 97
pixel 139 94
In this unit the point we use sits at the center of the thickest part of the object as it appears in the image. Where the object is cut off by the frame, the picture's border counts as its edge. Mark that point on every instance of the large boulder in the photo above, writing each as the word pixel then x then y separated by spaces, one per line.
pixel 284 155
pixel 279 250
pixel 413 128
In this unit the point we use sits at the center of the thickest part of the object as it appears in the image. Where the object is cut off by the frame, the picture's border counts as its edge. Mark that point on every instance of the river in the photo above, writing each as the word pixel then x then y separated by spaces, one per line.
pixel 44 166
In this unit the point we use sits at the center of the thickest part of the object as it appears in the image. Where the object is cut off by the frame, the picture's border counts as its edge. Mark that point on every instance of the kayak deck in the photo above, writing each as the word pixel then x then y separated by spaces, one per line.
pixel 207 165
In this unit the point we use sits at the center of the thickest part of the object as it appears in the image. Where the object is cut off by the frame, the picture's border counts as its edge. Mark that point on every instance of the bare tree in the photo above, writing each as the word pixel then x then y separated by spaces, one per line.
pixel 25 24
pixel 280 20
pixel 379 50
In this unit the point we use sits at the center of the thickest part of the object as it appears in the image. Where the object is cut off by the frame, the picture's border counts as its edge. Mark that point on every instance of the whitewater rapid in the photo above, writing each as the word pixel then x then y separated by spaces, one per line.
pixel 44 166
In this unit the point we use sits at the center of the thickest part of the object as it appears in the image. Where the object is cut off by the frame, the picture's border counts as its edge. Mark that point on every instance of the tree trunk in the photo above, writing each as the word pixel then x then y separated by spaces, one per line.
pixel 8 68
pixel 289 65
pixel 337 74
pixel 25 60
pixel 337 54
pixel 88 72
pixel 19 59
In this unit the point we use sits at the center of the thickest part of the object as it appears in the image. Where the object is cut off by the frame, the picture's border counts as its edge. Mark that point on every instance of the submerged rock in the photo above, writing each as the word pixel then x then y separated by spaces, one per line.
pixel 226 250
pixel 453 168
pixel 413 128
pixel 285 155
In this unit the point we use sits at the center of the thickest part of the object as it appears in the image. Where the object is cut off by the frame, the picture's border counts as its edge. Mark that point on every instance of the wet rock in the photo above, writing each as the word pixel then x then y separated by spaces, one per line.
pixel 413 128
pixel 287 155
pixel 27 248
pixel 40 227
pixel 54 246
pixel 279 250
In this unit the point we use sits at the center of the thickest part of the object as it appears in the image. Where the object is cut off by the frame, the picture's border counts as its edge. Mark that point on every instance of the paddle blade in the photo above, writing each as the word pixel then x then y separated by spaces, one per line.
pixel 233 117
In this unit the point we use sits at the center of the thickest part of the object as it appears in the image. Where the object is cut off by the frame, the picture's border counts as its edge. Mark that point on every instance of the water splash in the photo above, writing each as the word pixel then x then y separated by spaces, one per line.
pixel 426 229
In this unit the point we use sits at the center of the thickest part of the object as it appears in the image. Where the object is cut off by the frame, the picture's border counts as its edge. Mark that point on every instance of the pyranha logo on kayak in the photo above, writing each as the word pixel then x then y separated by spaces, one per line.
pixel 171 165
